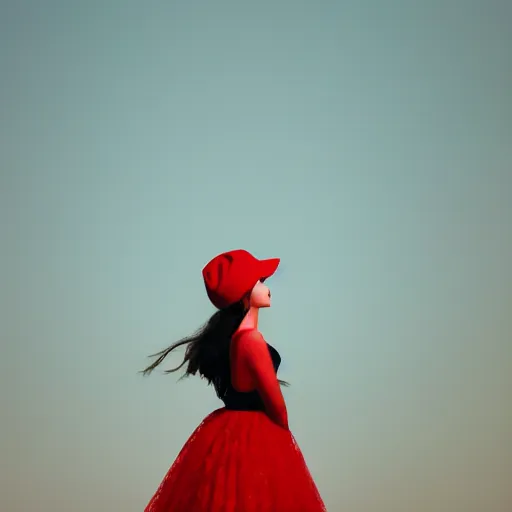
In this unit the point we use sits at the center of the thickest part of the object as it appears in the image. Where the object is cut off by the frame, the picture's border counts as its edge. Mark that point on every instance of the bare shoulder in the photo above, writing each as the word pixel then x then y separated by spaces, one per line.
pixel 252 344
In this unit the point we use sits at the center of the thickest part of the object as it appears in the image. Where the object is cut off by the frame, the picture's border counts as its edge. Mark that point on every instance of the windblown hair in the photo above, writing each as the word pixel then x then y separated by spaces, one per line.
pixel 207 351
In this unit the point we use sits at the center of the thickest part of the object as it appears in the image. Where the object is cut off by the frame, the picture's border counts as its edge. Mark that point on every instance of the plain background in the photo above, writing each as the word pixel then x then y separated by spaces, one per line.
pixel 367 144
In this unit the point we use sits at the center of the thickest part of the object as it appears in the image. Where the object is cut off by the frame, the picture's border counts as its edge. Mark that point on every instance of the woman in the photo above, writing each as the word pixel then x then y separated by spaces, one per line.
pixel 243 457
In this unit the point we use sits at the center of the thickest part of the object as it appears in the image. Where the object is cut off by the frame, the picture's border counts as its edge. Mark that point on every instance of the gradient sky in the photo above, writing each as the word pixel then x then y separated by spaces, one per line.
pixel 367 144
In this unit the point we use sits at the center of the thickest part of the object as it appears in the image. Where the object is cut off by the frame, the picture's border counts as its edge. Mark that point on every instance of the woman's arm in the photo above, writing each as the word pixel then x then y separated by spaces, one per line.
pixel 262 370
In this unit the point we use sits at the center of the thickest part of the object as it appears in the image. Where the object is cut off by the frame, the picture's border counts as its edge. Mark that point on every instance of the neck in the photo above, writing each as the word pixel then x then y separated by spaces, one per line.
pixel 250 320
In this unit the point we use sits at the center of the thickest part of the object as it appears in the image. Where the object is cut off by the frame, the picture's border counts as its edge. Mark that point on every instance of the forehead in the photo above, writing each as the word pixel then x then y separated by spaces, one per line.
pixel 259 285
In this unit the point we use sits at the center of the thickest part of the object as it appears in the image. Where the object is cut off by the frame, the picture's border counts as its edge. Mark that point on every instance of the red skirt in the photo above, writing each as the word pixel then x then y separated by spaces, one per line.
pixel 238 461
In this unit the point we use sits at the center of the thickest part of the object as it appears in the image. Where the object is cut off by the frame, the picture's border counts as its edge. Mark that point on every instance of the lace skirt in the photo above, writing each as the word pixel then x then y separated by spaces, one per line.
pixel 238 461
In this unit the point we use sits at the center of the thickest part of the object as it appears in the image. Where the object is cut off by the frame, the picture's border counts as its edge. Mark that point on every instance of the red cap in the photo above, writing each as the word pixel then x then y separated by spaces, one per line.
pixel 230 275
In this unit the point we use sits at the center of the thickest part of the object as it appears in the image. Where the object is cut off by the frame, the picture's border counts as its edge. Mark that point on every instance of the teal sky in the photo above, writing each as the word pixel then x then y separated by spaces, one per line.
pixel 367 144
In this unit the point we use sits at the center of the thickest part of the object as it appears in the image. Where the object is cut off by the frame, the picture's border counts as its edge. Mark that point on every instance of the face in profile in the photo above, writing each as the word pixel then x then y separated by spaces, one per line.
pixel 260 296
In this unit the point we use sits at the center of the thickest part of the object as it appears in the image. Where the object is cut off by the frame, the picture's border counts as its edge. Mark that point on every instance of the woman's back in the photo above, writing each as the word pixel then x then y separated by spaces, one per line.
pixel 254 384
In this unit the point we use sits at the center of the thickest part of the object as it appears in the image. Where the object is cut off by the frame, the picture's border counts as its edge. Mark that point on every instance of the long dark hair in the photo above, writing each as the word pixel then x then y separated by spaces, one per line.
pixel 207 349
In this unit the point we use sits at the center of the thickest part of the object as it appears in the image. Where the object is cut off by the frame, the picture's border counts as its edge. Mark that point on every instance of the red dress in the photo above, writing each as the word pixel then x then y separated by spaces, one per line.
pixel 242 458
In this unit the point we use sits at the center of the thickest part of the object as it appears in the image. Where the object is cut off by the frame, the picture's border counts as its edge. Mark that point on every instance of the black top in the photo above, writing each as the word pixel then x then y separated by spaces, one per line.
pixel 250 400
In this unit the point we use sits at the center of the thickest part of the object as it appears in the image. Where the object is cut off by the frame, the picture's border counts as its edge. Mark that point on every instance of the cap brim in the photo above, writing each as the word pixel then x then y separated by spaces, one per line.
pixel 268 267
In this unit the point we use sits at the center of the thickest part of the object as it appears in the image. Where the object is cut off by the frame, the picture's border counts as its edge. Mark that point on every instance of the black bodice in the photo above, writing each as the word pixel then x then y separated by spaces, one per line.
pixel 250 400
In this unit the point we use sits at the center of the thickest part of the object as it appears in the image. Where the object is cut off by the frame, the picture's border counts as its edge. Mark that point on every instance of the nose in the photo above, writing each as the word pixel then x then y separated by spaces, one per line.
pixel 269 294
